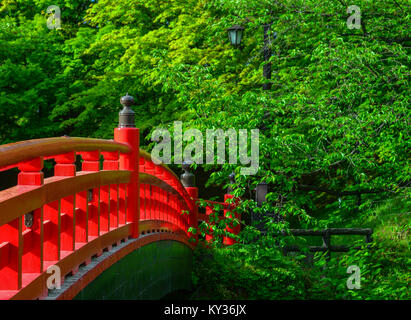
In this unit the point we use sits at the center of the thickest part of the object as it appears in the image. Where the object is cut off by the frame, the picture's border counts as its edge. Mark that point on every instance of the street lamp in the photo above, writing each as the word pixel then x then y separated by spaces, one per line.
pixel 261 193
pixel 235 34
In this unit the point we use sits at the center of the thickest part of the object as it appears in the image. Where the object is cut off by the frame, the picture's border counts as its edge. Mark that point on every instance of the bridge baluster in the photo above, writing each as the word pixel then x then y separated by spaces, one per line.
pixel 143 202
pixel 81 226
pixel 163 205
pixel 149 214
pixel 104 209
pixel 122 192
pixel 30 245
pixel 65 167
pixel 10 255
pixel 91 162
pixel 65 164
pixel 51 230
pixel 111 162
pixel 142 191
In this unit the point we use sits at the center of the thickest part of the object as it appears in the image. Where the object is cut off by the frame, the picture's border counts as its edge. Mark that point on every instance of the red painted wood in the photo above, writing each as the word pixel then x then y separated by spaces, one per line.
pixel 10 273
pixel 91 162
pixel 227 240
pixel 67 229
pixel 148 202
pixel 130 161
pixel 143 213
pixel 68 224
pixel 65 164
pixel 209 236
pixel 104 208
pixel 163 204
pixel 111 160
pixel 81 225
pixel 156 209
pixel 32 244
pixel 93 203
pixel 51 227
pixel 122 204
pixel 113 215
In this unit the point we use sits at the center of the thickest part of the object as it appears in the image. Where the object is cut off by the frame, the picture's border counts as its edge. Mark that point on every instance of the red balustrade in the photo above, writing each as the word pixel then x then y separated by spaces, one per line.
pixel 68 218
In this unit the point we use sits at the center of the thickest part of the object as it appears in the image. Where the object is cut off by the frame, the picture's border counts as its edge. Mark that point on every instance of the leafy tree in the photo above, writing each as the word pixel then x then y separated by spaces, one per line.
pixel 334 128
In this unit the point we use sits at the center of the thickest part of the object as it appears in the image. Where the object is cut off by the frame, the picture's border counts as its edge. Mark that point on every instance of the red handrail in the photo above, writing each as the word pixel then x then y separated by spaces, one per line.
pixel 13 153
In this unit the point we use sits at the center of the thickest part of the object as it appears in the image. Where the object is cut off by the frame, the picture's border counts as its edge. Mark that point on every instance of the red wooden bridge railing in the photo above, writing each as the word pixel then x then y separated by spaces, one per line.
pixel 67 218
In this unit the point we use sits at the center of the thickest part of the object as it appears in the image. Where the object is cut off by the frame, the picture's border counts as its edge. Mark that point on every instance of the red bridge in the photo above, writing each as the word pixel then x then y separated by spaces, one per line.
pixel 120 201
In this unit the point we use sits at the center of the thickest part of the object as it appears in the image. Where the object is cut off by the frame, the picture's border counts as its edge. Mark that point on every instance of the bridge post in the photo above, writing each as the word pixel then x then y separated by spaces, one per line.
pixel 235 230
pixel 188 181
pixel 128 133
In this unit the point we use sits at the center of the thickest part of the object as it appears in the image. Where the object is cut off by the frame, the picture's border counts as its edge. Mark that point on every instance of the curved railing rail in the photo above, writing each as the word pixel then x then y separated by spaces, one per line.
pixel 15 153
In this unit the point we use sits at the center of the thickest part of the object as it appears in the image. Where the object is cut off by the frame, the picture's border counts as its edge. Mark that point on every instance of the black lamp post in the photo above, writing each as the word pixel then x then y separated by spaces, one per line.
pixel 261 191
pixel 235 35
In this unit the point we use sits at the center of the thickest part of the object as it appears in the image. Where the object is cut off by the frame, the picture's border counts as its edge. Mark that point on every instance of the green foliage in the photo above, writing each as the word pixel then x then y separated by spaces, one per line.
pixel 255 268
pixel 246 272
pixel 334 129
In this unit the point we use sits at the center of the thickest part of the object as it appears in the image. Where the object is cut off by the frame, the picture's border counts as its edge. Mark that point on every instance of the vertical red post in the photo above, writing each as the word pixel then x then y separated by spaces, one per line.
pixel 143 205
pixel 122 203
pixel 209 210
pixel 143 211
pixel 193 217
pixel 111 162
pixel 10 259
pixel 173 219
pixel 65 167
pixel 229 228
pixel 30 236
pixel 51 246
pixel 128 133
pixel 231 214
pixel 81 227
pixel 149 202
pixel 163 204
pixel 150 205
pixel 91 162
